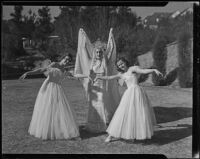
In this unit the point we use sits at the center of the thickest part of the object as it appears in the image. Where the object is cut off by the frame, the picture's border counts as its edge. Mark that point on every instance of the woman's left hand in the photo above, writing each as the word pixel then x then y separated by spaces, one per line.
pixel 23 76
pixel 158 72
pixel 96 78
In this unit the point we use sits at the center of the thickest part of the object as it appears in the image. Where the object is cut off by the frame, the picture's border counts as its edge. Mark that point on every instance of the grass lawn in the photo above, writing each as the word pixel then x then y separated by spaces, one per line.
pixel 173 135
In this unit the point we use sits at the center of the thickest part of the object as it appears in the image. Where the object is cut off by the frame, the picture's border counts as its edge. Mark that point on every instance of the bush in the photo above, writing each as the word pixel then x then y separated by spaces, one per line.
pixel 53 50
pixel 160 57
pixel 171 76
pixel 184 59
pixel 11 70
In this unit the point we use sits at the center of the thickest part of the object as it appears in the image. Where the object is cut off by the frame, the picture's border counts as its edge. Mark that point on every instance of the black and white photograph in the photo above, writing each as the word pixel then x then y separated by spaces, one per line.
pixel 98 79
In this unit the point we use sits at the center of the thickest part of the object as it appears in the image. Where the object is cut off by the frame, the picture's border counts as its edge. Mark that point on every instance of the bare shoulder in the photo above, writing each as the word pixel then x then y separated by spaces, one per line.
pixel 53 64
pixel 134 68
pixel 120 75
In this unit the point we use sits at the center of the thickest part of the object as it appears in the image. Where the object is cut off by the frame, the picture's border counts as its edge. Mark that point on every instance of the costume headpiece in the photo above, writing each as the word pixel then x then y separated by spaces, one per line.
pixel 100 45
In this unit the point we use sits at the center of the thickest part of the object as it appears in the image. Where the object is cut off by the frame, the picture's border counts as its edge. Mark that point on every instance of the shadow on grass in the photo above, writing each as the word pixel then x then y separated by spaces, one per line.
pixel 85 134
pixel 163 137
pixel 166 114
pixel 163 115
pixel 174 133
pixel 171 133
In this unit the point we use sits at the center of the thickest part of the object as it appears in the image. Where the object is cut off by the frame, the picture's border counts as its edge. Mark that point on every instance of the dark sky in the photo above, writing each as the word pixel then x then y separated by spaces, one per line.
pixel 140 11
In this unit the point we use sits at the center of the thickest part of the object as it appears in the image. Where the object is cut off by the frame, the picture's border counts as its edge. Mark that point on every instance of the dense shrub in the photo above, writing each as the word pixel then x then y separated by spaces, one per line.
pixel 184 59
pixel 160 57
pixel 171 76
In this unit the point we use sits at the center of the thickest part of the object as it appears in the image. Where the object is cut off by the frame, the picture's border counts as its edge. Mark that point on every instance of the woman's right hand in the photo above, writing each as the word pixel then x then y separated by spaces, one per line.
pixel 158 72
pixel 23 76
pixel 90 79
pixel 97 78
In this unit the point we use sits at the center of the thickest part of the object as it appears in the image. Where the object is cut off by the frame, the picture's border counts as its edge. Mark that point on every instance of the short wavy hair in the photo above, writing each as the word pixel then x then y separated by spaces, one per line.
pixel 67 54
pixel 124 60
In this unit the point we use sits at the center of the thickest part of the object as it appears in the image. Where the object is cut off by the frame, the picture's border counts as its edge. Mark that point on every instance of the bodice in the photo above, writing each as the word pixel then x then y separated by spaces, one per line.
pixel 99 70
pixel 130 79
pixel 55 75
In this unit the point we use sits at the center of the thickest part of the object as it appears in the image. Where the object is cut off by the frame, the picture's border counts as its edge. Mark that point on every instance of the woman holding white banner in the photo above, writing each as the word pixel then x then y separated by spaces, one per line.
pixel 103 96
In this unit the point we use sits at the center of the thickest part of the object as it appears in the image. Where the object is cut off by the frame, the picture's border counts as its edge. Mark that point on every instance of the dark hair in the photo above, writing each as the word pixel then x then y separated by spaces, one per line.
pixel 124 60
pixel 67 54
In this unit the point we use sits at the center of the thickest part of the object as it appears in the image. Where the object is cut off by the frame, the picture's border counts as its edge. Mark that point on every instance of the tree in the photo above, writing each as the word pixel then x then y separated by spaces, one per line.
pixel 29 24
pixel 160 57
pixel 17 15
pixel 67 25
pixel 14 46
pixel 43 29
pixel 97 21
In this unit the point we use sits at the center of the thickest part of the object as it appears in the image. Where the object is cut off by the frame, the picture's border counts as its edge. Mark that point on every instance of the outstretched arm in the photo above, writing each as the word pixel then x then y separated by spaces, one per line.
pixel 118 76
pixel 36 71
pixel 80 76
pixel 83 76
pixel 139 70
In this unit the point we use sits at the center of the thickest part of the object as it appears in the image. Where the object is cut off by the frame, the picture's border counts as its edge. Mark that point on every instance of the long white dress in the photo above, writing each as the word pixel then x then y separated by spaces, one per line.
pixel 101 106
pixel 53 118
pixel 103 96
pixel 134 117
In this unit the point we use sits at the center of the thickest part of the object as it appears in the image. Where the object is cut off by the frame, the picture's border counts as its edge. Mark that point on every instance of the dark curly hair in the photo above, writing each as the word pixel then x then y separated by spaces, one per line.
pixel 67 54
pixel 124 60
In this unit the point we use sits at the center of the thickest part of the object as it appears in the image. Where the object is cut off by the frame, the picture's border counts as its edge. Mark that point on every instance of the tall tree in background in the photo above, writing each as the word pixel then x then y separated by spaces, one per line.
pixel 6 53
pixel 44 28
pixel 67 25
pixel 131 39
pixel 14 40
pixel 17 16
pixel 29 24
pixel 160 57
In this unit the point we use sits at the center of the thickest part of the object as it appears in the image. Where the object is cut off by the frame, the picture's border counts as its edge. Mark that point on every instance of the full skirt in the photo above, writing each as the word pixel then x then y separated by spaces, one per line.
pixel 134 117
pixel 53 118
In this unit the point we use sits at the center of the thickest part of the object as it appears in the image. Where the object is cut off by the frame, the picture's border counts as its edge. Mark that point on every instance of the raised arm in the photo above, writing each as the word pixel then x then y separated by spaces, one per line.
pixel 111 47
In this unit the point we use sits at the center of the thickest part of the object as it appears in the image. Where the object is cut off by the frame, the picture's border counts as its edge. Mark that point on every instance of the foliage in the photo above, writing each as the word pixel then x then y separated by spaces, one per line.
pixel 43 28
pixel 12 36
pixel 29 24
pixel 54 50
pixel 171 76
pixel 184 59
pixel 132 38
pixel 96 21
pixel 160 57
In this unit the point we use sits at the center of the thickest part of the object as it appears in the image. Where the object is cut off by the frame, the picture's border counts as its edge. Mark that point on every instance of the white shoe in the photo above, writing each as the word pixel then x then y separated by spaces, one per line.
pixel 108 139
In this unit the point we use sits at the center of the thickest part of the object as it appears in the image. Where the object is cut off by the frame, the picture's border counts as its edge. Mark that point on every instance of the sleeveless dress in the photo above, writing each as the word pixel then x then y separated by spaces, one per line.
pixel 134 117
pixel 53 118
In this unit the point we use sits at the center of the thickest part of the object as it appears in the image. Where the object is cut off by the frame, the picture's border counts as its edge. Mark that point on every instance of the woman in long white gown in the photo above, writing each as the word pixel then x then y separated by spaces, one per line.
pixel 134 117
pixel 53 116
pixel 103 96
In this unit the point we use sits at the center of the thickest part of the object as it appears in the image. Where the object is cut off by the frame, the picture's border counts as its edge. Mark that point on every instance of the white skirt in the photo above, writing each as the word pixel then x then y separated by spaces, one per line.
pixel 134 117
pixel 52 116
